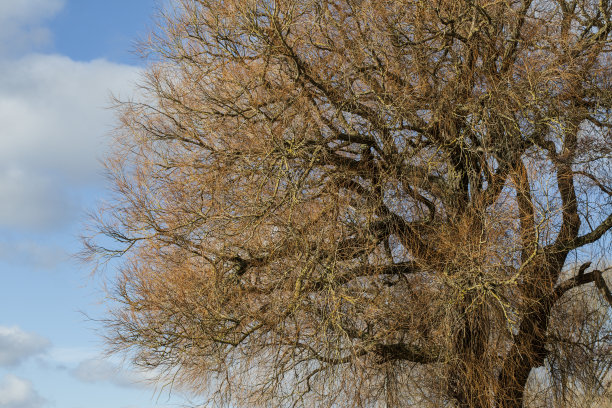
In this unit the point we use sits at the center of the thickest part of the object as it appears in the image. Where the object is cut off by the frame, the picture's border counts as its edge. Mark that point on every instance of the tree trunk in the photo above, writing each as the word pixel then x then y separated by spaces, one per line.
pixel 468 383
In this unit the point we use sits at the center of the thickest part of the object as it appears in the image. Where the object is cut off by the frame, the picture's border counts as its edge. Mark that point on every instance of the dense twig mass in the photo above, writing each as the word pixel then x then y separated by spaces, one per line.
pixel 362 203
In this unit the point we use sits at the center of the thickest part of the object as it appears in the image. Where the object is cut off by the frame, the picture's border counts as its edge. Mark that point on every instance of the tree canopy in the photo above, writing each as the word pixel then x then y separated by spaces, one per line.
pixel 362 203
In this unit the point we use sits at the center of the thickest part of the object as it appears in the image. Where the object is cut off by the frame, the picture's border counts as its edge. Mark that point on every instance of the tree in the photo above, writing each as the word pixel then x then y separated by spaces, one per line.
pixel 361 203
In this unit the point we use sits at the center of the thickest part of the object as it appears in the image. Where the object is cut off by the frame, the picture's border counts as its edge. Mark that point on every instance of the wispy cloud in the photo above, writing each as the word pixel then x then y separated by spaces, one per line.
pixel 17 345
pixel 32 201
pixel 21 23
pixel 30 253
pixel 71 356
pixel 99 370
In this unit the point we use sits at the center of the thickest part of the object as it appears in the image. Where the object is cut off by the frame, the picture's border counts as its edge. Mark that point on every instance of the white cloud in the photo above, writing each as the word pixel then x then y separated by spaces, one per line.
pixel 54 111
pixel 17 345
pixel 54 120
pixel 99 370
pixel 20 23
pixel 16 392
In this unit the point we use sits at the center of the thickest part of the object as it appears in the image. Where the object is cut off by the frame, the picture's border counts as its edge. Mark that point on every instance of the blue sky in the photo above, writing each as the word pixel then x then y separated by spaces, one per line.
pixel 59 62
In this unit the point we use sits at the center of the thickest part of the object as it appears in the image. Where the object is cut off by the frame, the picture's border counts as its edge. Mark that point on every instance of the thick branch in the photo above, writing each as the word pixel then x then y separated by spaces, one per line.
pixel 591 237
pixel 582 278
pixel 526 212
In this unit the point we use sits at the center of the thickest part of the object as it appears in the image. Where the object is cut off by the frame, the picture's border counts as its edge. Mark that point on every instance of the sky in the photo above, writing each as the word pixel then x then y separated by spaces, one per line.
pixel 60 60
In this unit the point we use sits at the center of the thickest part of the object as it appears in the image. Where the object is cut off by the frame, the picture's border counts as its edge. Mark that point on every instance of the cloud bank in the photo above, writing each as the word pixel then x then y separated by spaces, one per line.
pixel 53 116
pixel 54 120
pixel 17 345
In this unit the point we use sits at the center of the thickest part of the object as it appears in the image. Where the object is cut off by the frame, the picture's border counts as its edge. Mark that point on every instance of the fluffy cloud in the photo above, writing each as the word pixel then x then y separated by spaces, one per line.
pixel 103 371
pixel 20 23
pixel 54 121
pixel 53 111
pixel 18 393
pixel 17 345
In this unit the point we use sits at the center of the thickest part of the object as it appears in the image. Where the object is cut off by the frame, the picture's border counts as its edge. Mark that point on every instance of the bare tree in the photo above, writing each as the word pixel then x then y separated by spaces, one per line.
pixel 365 203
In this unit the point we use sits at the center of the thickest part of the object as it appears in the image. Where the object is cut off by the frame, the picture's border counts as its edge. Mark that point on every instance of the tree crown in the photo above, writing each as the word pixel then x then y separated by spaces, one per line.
pixel 360 203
